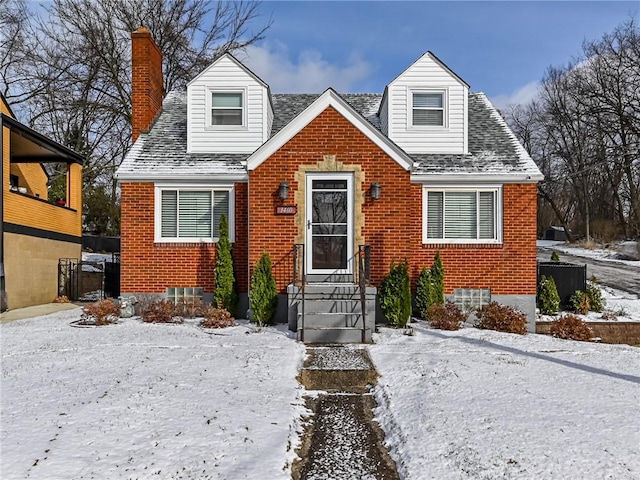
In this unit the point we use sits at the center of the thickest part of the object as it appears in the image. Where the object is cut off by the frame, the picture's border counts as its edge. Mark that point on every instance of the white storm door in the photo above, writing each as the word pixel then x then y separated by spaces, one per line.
pixel 329 223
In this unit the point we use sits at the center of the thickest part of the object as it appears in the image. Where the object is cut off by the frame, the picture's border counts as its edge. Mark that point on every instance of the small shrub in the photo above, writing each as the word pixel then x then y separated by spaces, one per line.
pixel 580 302
pixel 215 317
pixel 62 299
pixel 161 311
pixel 571 327
pixel 548 298
pixel 555 257
pixel 263 299
pixel 501 318
pixel 609 316
pixel 446 317
pixel 596 302
pixel 395 294
pixel 103 312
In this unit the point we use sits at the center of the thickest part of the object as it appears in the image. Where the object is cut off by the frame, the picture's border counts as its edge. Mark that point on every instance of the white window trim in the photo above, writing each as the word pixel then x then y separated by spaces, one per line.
pixel 467 188
pixel 209 107
pixel 158 238
pixel 445 108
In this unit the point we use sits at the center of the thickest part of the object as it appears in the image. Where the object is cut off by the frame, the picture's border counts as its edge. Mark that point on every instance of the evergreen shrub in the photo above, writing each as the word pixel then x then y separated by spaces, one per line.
pixel 548 298
pixel 225 295
pixel 423 293
pixel 596 302
pixel 264 296
pixel 395 294
pixel 580 302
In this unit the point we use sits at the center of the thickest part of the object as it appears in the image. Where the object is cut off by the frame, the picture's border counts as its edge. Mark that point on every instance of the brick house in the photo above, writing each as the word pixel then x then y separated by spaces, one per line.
pixel 321 181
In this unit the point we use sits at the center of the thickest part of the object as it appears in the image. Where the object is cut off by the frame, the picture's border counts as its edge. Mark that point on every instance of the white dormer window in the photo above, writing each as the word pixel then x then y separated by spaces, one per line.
pixel 227 109
pixel 428 109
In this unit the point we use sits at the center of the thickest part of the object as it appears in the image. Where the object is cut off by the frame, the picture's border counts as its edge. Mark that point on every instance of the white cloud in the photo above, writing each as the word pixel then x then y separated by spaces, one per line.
pixel 309 73
pixel 521 96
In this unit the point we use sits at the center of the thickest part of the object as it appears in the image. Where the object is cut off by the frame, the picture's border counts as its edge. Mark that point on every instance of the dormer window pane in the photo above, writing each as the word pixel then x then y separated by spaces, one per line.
pixel 428 109
pixel 226 108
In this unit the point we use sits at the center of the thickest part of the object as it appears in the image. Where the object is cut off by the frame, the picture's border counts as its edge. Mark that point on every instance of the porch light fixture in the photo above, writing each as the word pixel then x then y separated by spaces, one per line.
pixel 283 191
pixel 375 191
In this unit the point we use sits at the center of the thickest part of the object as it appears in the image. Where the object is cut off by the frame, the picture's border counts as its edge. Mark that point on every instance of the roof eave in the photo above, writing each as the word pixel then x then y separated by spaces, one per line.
pixel 476 177
pixel 240 177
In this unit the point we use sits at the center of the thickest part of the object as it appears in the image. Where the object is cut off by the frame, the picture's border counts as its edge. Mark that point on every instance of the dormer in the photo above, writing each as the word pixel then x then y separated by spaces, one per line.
pixel 228 109
pixel 424 109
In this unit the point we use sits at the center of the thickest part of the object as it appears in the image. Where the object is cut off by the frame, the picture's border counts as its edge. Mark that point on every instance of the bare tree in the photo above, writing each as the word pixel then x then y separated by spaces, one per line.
pixel 584 133
pixel 75 65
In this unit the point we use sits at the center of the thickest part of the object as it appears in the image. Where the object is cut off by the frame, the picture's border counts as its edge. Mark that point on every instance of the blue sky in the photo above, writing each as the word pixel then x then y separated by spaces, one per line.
pixel 501 48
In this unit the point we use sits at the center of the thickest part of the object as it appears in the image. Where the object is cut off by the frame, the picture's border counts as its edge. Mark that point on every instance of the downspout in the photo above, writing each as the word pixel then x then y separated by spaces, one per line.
pixel 249 315
pixel 3 292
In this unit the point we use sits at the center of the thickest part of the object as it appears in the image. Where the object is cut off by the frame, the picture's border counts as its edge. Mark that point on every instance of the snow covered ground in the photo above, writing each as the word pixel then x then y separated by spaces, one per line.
pixel 136 400
pixel 476 404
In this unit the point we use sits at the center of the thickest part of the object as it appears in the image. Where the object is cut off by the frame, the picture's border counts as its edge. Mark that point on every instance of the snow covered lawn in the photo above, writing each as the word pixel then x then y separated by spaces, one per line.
pixel 477 404
pixel 137 400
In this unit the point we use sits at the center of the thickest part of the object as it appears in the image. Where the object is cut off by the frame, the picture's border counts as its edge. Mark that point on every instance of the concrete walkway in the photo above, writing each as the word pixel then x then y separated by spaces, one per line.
pixel 35 311
pixel 341 440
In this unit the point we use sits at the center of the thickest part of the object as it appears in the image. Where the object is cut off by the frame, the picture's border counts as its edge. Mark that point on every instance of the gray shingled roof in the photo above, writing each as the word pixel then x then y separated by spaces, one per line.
pixel 163 151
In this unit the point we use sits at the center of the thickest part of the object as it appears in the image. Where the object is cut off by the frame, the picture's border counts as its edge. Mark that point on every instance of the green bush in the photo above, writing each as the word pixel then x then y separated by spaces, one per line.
pixel 501 318
pixel 395 294
pixel 264 296
pixel 596 302
pixel 580 302
pixel 555 257
pixel 548 298
pixel 437 278
pixel 423 293
pixel 430 287
pixel 225 295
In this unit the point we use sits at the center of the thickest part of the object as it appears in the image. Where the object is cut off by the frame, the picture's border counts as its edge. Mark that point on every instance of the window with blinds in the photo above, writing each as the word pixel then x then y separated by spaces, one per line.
pixel 192 214
pixel 428 109
pixel 461 215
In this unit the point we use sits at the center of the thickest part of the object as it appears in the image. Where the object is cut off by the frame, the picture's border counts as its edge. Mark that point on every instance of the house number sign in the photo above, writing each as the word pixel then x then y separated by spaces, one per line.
pixel 286 210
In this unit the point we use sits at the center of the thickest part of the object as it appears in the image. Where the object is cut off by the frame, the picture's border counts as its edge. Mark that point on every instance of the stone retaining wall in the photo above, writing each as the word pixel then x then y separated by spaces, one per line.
pixel 608 332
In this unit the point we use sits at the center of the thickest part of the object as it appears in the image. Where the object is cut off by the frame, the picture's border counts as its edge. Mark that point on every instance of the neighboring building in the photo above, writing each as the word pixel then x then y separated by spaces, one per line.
pixel 424 167
pixel 34 232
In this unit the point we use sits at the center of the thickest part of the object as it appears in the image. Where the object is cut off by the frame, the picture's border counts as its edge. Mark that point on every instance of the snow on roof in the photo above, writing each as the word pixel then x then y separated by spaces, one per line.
pixel 494 150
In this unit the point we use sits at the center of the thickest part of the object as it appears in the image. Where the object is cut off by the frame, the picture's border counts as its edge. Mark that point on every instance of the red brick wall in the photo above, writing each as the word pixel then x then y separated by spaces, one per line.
pixel 149 267
pixel 146 81
pixel 393 224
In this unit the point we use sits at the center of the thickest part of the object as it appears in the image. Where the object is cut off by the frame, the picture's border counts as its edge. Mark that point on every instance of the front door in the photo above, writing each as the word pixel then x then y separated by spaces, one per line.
pixel 329 215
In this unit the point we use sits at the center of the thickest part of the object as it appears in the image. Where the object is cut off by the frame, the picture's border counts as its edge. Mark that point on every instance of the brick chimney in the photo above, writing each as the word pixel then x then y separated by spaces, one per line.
pixel 146 81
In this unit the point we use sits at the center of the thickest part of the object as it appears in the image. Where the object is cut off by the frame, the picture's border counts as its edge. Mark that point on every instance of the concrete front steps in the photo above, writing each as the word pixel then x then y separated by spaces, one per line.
pixel 332 313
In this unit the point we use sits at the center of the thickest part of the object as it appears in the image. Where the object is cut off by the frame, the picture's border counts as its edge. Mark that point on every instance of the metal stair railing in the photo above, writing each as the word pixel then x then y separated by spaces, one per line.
pixel 299 278
pixel 364 279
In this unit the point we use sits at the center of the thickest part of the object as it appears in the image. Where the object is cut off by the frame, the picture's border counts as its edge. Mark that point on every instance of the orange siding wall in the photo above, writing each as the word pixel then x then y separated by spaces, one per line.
pixel 148 267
